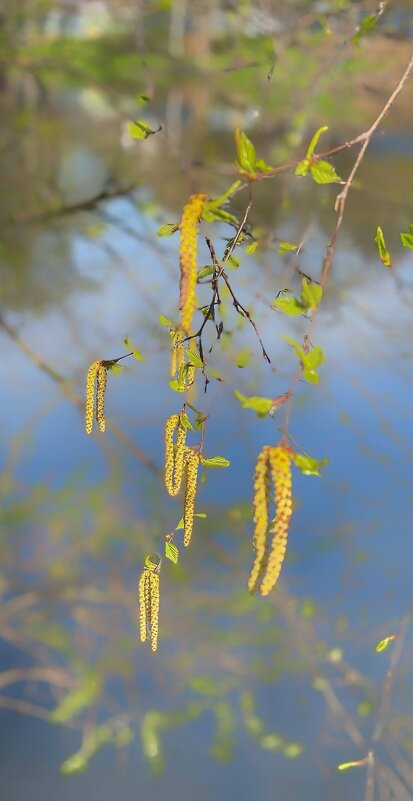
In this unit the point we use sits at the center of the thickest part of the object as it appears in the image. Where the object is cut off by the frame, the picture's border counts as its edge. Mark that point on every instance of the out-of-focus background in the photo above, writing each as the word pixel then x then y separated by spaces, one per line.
pixel 246 697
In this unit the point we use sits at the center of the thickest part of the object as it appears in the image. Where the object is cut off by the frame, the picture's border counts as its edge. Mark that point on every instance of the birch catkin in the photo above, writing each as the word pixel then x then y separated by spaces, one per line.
pixel 101 380
pixel 149 607
pixel 174 454
pixel 192 463
pixel 280 462
pixel 270 540
pixel 187 257
pixel 90 396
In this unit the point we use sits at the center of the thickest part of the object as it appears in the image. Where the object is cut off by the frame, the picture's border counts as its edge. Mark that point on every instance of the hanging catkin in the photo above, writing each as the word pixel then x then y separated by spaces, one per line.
pixel 270 540
pixel 192 463
pixel 174 454
pixel 101 381
pixel 149 606
pixel 187 258
pixel 90 396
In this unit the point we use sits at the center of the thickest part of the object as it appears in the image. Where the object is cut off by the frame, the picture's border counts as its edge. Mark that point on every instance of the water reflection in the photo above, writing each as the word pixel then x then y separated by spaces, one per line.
pixel 235 678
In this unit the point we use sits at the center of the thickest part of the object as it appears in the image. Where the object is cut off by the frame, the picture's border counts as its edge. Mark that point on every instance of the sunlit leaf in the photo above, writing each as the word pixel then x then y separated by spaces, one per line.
pixel 167 229
pixel 311 375
pixel 348 765
pixel 137 355
pixel 194 359
pixel 222 198
pixel 215 461
pixel 164 320
pixel 313 144
pixel 381 247
pixel 246 154
pixel 302 167
pixel 407 238
pixel 315 357
pixel 171 551
pixel 307 465
pixel 289 305
pixel 261 166
pixel 311 293
pixel 285 247
pixel 262 406
pixel 185 421
pixel 212 213
pixel 140 130
pixel 383 644
pixel 251 248
pixel 234 262
pixel 323 172
pixel 77 763
pixel 204 272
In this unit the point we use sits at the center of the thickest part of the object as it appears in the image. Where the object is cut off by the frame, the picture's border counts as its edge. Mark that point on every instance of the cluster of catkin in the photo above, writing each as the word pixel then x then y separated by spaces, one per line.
pixel 182 371
pixel 149 606
pixel 97 374
pixel 187 258
pixel 270 537
pixel 181 462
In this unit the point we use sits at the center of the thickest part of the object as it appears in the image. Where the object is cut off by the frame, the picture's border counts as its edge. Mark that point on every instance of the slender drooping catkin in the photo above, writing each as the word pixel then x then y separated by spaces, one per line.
pixel 174 454
pixel 187 257
pixel 280 462
pixel 101 380
pixel 149 606
pixel 90 395
pixel 178 351
pixel 192 462
pixel 260 505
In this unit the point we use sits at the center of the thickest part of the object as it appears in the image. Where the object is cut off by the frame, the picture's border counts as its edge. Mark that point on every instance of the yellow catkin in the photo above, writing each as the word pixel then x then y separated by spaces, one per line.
pixel 153 609
pixel 187 257
pixel 143 599
pixel 177 352
pixel 192 462
pixel 102 375
pixel 280 463
pixel 174 454
pixel 260 505
pixel 90 396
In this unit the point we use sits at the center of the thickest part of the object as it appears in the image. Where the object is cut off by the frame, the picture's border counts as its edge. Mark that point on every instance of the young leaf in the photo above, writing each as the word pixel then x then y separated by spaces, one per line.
pixel 307 465
pixel 177 386
pixel 222 198
pixel 261 166
pixel 234 262
pixel 212 213
pixel 204 272
pixel 347 765
pixel 381 247
pixel 171 551
pixel 262 406
pixel 302 167
pixel 313 144
pixel 289 305
pixel 215 461
pixel 164 320
pixel 185 421
pixel 143 99
pixel 297 348
pixel 311 293
pixel 323 172
pixel 310 375
pixel 194 359
pixel 167 229
pixel 251 248
pixel 136 353
pixel 383 644
pixel 285 247
pixel 407 238
pixel 246 154
pixel 140 130
pixel 315 357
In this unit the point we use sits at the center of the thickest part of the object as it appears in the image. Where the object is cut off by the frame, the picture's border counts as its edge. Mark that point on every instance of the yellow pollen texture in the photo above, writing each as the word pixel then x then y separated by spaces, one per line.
pixel 187 257
pixel 90 396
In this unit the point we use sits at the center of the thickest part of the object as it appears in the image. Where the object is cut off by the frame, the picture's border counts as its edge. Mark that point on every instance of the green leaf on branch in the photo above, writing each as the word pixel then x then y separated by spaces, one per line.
pixel 315 357
pixel 215 461
pixel 381 247
pixel 311 293
pixel 171 551
pixel 407 238
pixel 348 765
pixel 383 644
pixel 307 465
pixel 303 167
pixel 246 153
pixel 251 248
pixel 309 361
pixel 167 229
pixel 368 24
pixel 222 198
pixel 180 525
pixel 140 130
pixel 289 305
pixel 194 359
pixel 323 172
pixel 185 421
pixel 234 262
pixel 313 144
pixel 164 320
pixel 77 763
pixel 136 353
pixel 285 247
pixel 261 166
pixel 262 406
pixel 204 272
pixel 213 213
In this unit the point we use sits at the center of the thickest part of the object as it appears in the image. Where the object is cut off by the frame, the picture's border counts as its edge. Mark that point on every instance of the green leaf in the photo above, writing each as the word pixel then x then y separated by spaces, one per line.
pixel 222 198
pixel 307 465
pixel 262 406
pixel 383 644
pixel 194 359
pixel 311 293
pixel 210 214
pixel 167 229
pixel 246 154
pixel 310 375
pixel 347 765
pixel 407 239
pixel 140 130
pixel 313 144
pixel 234 262
pixel 77 763
pixel 164 320
pixel 381 247
pixel 177 386
pixel 137 355
pixel 297 348
pixel 185 421
pixel 368 24
pixel 215 461
pixel 171 551
pixel 302 167
pixel 251 248
pixel 152 561
pixel 323 172
pixel 181 522
pixel 143 99
pixel 261 166
pixel 204 272
pixel 315 357
pixel 284 247
pixel 289 305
